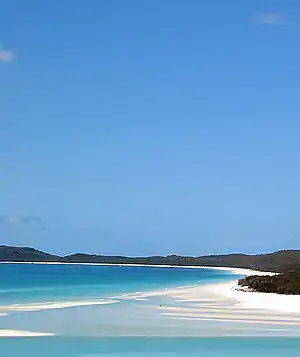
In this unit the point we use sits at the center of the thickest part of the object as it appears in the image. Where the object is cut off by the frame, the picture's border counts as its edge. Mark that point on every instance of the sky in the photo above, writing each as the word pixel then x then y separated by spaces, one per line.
pixel 150 127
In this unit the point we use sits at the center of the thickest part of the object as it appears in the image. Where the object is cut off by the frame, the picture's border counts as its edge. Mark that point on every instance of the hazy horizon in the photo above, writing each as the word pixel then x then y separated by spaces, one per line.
pixel 53 252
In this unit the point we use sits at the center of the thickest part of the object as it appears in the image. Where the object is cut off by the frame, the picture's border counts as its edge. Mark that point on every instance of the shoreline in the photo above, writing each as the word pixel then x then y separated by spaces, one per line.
pixel 143 295
pixel 234 270
pixel 259 300
pixel 20 333
pixel 225 302
pixel 218 303
pixel 53 305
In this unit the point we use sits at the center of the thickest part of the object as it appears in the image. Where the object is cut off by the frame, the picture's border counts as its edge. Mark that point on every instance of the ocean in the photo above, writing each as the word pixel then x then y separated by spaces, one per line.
pixel 149 347
pixel 38 283
pixel 93 310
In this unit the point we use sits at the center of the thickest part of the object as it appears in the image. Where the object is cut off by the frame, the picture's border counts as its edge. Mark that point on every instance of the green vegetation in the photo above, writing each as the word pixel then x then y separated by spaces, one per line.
pixel 24 254
pixel 285 283
pixel 281 261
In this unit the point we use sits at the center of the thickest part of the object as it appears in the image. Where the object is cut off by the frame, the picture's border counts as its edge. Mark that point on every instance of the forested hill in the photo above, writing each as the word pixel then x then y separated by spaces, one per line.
pixel 25 254
pixel 277 262
pixel 284 283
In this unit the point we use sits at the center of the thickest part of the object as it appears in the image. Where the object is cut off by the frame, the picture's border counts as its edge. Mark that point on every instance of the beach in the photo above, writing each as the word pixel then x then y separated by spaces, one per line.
pixel 228 302
pixel 213 306
pixel 18 333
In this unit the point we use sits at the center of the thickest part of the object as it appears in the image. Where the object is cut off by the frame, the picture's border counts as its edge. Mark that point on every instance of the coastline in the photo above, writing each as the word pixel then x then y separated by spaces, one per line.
pixel 220 288
pixel 220 302
pixel 226 303
pixel 238 271
pixel 19 333
pixel 52 305
pixel 258 300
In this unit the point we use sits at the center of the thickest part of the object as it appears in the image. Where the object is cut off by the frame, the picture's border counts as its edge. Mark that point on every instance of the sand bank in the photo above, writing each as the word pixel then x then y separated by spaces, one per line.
pixel 18 333
pixel 54 305
pixel 238 271
pixel 227 303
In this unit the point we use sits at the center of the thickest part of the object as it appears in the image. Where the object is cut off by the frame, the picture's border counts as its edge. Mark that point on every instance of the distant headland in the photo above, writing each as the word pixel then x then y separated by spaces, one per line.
pixel 287 283
pixel 279 262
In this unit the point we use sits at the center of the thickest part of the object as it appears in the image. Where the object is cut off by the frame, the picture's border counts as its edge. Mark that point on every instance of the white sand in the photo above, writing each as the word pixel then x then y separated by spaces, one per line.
pixel 256 300
pixel 238 271
pixel 218 302
pixel 55 305
pixel 225 302
pixel 18 333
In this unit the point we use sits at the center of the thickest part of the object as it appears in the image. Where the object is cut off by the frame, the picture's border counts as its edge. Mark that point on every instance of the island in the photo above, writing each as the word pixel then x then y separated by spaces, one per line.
pixel 278 262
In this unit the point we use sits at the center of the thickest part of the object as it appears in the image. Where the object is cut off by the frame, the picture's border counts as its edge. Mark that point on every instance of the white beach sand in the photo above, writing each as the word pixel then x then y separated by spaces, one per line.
pixel 18 333
pixel 54 305
pixel 226 302
pixel 214 302
pixel 240 271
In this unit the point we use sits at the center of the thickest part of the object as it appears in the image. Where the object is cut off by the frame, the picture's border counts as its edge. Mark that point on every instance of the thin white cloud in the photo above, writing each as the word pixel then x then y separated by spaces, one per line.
pixel 13 220
pixel 20 220
pixel 271 18
pixel 6 55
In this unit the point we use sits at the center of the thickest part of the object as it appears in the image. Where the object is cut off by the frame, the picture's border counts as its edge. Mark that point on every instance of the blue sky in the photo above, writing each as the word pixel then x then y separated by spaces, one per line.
pixel 150 127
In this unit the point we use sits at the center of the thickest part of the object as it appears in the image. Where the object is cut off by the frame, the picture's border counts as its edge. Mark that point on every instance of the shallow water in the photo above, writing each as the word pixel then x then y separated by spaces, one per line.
pixel 133 325
pixel 44 288
pixel 40 283
pixel 149 347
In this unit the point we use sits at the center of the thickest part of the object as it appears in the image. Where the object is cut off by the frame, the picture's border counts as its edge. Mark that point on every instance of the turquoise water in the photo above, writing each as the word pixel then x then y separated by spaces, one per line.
pixel 150 347
pixel 35 283
pixel 132 326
